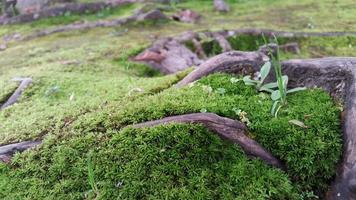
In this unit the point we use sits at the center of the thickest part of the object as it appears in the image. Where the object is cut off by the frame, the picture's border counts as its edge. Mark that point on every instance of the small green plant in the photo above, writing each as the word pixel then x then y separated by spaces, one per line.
pixel 91 177
pixel 258 83
pixel 279 95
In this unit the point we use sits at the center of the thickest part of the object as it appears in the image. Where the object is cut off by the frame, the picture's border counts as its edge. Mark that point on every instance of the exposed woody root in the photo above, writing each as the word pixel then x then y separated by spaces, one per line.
pixel 221 6
pixel 337 75
pixel 137 16
pixel 161 55
pixel 7 151
pixel 25 82
pixel 74 8
pixel 226 128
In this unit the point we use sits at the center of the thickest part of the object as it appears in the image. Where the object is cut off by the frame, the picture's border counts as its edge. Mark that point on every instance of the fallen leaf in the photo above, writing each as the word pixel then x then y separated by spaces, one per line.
pixel 297 123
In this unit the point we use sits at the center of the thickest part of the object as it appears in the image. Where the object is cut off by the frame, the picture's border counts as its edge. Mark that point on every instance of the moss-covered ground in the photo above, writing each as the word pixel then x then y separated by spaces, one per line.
pixel 85 92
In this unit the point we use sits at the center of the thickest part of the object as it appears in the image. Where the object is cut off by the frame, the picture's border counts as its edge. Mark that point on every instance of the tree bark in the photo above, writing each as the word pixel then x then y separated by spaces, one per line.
pixel 174 56
pixel 224 44
pixel 337 75
pixel 199 49
pixel 226 128
pixel 7 151
pixel 221 6
pixel 236 62
pixel 25 82
pixel 150 15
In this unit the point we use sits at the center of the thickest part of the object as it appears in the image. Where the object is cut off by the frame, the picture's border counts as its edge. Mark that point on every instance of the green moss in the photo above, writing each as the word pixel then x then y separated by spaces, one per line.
pixel 165 162
pixel 315 150
pixel 184 161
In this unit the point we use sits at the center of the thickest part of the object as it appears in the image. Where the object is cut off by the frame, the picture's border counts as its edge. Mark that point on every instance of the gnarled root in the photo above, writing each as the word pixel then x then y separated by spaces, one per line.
pixel 25 82
pixel 7 151
pixel 226 128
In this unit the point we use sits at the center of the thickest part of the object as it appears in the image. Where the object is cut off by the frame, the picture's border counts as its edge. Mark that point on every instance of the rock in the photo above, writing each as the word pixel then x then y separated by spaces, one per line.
pixel 152 15
pixel 187 15
pixel 221 6
pixel 3 47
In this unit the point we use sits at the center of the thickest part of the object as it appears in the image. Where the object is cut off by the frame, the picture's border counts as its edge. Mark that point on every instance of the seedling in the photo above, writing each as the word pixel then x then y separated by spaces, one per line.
pixel 265 69
pixel 279 97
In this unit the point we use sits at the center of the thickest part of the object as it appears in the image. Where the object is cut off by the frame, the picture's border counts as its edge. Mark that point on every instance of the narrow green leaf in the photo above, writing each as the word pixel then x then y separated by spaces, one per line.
pixel 285 81
pixel 275 95
pixel 248 79
pixel 296 89
pixel 265 71
pixel 274 106
pixel 263 88
pixel 276 113
pixel 270 85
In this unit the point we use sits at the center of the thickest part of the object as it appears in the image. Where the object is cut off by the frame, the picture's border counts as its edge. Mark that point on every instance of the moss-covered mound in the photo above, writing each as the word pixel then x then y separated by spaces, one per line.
pixel 183 161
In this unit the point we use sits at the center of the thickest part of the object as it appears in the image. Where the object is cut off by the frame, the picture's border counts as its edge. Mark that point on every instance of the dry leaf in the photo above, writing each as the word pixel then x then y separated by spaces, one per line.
pixel 297 123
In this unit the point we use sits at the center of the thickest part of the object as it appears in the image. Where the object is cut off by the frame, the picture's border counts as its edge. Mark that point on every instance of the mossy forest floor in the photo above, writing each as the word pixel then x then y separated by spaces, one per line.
pixel 86 91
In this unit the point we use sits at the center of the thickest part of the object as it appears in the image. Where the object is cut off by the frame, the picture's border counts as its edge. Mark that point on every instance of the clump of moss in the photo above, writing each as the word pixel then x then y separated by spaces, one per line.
pixel 185 161
pixel 316 149
pixel 165 162
pixel 240 43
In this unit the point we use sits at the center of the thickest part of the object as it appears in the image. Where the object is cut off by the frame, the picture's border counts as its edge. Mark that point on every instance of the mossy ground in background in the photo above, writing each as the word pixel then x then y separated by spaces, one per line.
pixel 185 161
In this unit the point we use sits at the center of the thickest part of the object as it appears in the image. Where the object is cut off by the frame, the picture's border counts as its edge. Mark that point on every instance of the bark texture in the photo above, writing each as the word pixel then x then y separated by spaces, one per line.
pixel 236 62
pixel 7 151
pixel 25 82
pixel 337 75
pixel 184 58
pixel 168 56
pixel 226 128
pixel 224 44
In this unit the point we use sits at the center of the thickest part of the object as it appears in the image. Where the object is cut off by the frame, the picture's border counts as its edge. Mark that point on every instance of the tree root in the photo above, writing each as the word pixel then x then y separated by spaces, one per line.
pixel 139 16
pixel 199 49
pixel 337 75
pixel 221 6
pixel 25 82
pixel 236 62
pixel 226 128
pixel 224 44
pixel 74 8
pixel 184 58
pixel 7 151
pixel 173 56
